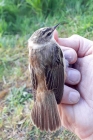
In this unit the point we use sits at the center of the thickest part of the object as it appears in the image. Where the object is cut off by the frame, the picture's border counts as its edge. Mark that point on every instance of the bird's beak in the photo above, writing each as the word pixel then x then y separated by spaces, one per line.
pixel 55 26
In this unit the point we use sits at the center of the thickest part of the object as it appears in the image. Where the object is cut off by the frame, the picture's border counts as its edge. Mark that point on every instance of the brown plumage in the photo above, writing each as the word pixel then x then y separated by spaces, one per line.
pixel 47 77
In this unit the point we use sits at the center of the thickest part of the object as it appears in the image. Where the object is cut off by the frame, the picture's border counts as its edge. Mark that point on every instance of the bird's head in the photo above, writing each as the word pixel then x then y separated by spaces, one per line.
pixel 43 35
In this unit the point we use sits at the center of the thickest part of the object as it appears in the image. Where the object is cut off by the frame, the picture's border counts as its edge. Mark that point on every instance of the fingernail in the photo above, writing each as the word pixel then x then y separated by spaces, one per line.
pixel 73 76
pixel 68 55
pixel 74 97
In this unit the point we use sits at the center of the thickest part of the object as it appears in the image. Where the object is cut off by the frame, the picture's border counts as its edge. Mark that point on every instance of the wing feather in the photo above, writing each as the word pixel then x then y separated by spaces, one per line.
pixel 55 74
pixel 50 62
pixel 33 82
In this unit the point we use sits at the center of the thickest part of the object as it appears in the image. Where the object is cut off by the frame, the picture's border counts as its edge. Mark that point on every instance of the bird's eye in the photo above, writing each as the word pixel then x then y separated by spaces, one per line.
pixel 49 34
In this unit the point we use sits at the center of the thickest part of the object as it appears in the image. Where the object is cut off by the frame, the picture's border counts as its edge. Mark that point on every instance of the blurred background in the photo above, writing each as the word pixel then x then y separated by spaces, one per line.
pixel 18 20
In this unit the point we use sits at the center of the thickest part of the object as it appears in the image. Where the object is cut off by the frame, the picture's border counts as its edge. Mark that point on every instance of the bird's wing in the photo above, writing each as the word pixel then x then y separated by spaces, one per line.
pixel 33 82
pixel 55 74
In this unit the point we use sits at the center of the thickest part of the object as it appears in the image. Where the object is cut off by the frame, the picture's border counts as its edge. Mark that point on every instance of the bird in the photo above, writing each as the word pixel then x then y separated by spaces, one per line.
pixel 47 72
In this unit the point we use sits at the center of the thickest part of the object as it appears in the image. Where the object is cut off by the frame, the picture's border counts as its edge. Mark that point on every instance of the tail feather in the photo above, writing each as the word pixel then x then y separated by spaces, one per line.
pixel 55 118
pixel 45 118
pixel 37 115
pixel 45 113
pixel 42 117
pixel 50 121
pixel 52 117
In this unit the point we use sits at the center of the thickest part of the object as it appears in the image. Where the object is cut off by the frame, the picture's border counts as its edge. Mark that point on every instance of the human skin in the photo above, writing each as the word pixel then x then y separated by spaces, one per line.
pixel 78 117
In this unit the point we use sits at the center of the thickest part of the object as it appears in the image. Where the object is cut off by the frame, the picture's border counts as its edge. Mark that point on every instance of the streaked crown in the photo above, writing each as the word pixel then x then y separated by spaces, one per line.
pixel 43 35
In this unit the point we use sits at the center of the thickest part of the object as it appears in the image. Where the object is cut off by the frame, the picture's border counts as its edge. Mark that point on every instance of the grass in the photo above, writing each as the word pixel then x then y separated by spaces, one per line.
pixel 15 109
pixel 19 19
pixel 15 122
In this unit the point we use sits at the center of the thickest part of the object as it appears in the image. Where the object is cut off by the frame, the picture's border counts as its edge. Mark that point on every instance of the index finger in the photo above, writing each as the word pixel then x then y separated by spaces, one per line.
pixel 80 44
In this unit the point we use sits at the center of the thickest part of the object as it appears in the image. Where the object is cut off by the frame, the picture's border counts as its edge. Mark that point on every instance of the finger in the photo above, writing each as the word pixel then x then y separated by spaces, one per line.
pixel 69 54
pixel 73 76
pixel 56 35
pixel 80 44
pixel 70 95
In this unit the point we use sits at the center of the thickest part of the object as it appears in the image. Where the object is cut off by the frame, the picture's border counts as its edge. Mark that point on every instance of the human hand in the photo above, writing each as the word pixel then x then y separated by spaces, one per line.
pixel 78 118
